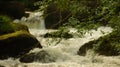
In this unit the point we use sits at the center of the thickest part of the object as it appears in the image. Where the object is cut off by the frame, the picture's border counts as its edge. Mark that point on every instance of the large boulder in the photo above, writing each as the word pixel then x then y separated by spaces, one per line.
pixel 108 45
pixel 54 17
pixel 17 43
pixel 15 39
pixel 41 56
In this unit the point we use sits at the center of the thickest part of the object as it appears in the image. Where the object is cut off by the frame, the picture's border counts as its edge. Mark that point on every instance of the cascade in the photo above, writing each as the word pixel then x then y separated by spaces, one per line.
pixel 63 54
pixel 34 21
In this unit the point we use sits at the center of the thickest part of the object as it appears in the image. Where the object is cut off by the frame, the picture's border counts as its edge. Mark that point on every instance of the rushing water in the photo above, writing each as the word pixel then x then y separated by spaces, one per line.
pixel 34 21
pixel 64 53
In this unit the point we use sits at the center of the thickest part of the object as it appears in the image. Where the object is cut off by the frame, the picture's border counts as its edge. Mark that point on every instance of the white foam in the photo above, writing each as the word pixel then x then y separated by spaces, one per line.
pixel 65 52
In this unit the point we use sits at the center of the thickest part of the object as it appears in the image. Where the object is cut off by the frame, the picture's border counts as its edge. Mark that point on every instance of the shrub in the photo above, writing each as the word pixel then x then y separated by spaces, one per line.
pixel 62 33
pixel 5 25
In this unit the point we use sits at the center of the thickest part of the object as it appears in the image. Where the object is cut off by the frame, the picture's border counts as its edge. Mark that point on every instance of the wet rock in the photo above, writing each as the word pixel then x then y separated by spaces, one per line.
pixel 108 45
pixel 15 39
pixel 18 27
pixel 2 66
pixel 42 56
pixel 7 26
pixel 16 44
pixel 83 49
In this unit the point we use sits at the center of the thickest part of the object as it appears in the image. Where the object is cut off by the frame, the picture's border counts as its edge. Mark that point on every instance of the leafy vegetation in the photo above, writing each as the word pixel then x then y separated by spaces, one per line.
pixel 86 15
pixel 108 45
pixel 62 33
pixel 5 25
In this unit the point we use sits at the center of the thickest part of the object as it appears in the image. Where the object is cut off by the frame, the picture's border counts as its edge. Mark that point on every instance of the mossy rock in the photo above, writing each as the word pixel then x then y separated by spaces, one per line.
pixel 108 45
pixel 12 27
pixel 7 26
pixel 16 44
pixel 19 26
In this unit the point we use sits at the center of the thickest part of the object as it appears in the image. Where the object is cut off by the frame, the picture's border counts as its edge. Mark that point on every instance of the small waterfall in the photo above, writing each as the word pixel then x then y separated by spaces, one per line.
pixel 34 21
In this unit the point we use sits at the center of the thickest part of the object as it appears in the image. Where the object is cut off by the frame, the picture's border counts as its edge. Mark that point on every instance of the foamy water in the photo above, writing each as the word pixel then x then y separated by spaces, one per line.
pixel 65 52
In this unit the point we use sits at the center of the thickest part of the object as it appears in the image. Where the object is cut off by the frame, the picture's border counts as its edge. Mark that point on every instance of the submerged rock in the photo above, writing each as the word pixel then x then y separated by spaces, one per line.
pixel 108 45
pixel 41 56
pixel 16 44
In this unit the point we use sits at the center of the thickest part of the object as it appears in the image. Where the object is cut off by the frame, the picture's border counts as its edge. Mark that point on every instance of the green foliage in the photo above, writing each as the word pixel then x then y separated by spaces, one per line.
pixel 109 44
pixel 5 25
pixel 62 33
pixel 88 14
pixel 115 22
pixel 97 11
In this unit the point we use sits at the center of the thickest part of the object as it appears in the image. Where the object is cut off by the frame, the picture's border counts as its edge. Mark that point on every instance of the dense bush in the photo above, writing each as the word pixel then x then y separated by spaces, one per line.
pixel 5 25
pixel 86 14
pixel 108 45
pixel 62 33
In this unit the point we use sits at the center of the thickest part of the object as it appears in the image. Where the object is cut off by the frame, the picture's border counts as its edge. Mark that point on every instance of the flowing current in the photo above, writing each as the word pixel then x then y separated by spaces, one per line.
pixel 64 53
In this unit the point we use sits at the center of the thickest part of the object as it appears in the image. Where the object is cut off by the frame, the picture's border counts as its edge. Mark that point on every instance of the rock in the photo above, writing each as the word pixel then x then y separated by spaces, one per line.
pixel 52 20
pixel 16 44
pixel 15 39
pixel 13 9
pixel 108 45
pixel 2 66
pixel 12 27
pixel 41 56
pixel 7 26
pixel 84 48
pixel 18 27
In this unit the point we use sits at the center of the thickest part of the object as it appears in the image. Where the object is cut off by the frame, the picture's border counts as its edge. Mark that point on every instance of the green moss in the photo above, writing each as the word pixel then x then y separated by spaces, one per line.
pixel 18 26
pixel 17 43
pixel 5 36
pixel 5 25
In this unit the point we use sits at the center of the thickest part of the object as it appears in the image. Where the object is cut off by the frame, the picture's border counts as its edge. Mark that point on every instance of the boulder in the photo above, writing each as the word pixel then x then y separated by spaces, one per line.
pixel 19 26
pixel 12 27
pixel 42 56
pixel 108 45
pixel 2 66
pixel 17 43
pixel 15 39
pixel 54 17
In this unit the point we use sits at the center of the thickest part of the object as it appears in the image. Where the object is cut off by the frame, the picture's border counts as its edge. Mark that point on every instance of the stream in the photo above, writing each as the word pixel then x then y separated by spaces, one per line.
pixel 64 53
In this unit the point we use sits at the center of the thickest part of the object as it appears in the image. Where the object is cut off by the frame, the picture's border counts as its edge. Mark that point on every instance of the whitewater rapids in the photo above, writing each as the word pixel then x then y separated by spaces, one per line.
pixel 65 52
